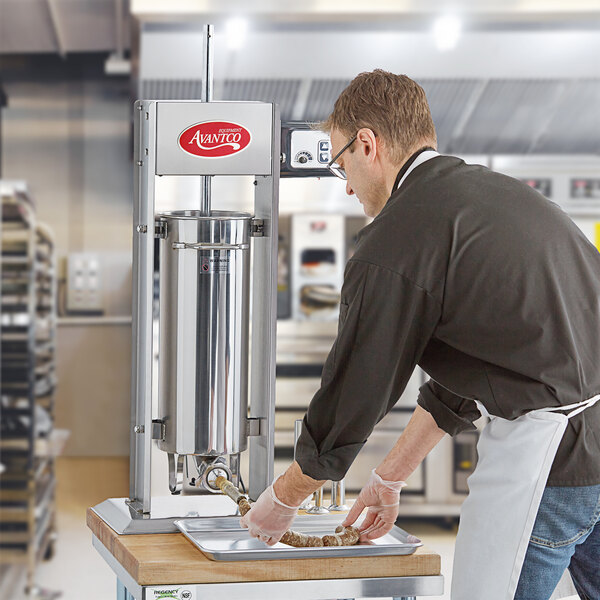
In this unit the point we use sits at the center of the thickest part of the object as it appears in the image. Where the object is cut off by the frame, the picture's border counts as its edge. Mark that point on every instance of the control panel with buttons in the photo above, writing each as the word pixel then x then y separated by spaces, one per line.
pixel 84 283
pixel 305 151
pixel 309 149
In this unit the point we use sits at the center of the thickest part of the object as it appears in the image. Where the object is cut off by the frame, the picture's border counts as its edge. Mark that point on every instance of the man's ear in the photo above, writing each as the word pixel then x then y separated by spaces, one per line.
pixel 368 142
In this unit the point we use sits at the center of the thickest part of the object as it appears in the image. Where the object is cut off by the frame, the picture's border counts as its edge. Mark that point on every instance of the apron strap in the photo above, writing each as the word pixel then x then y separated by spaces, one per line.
pixel 577 407
pixel 587 404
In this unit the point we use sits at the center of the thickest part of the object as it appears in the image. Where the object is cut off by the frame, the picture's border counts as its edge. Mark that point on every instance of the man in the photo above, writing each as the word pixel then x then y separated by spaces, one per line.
pixel 495 293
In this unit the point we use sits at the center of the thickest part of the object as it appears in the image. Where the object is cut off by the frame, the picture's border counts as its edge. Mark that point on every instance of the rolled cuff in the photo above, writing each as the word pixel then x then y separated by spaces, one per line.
pixel 331 465
pixel 445 417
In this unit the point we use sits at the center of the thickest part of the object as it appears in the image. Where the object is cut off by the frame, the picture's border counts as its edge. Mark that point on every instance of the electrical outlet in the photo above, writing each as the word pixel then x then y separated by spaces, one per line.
pixel 84 283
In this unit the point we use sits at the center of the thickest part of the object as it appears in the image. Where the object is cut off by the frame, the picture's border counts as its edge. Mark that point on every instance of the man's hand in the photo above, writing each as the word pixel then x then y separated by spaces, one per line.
pixel 269 518
pixel 274 511
pixel 381 497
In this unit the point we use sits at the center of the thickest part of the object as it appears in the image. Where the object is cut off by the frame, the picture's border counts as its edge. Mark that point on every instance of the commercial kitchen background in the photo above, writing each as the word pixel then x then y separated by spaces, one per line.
pixel 512 85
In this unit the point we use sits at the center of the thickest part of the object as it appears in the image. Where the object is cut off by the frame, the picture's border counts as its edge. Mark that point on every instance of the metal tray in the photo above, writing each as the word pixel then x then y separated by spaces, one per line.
pixel 222 538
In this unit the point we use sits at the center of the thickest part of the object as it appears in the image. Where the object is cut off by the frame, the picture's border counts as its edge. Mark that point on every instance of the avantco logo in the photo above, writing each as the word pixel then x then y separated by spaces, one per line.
pixel 214 139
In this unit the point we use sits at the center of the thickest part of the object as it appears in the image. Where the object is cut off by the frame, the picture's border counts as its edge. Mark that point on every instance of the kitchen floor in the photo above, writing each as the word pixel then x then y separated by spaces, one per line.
pixel 79 572
pixel 77 569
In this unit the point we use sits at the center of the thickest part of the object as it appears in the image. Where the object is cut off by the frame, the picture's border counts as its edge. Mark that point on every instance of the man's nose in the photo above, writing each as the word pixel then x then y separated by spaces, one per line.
pixel 349 190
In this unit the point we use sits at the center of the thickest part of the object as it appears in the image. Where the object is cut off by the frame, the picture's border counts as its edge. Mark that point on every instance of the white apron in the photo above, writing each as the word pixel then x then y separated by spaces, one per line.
pixel 496 519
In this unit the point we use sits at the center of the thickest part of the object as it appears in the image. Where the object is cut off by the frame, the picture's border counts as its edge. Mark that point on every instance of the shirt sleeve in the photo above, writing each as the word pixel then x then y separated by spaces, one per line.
pixel 385 323
pixel 451 413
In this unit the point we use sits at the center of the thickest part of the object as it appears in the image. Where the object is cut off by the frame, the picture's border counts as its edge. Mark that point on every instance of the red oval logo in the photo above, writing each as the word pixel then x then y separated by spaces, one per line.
pixel 214 139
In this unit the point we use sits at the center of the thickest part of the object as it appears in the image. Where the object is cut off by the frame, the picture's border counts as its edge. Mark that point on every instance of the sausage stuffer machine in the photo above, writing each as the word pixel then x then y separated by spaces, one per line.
pixel 207 381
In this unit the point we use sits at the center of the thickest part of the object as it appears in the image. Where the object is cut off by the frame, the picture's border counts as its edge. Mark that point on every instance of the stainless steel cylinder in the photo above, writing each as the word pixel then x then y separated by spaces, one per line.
pixel 203 333
pixel 297 432
pixel 318 508
pixel 338 496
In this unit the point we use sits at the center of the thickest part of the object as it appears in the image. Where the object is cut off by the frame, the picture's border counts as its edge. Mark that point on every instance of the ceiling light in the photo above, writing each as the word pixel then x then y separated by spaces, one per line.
pixel 117 64
pixel 447 31
pixel 236 30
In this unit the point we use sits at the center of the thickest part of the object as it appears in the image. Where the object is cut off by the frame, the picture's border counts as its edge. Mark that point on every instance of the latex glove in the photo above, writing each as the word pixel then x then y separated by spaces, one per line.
pixel 381 497
pixel 269 518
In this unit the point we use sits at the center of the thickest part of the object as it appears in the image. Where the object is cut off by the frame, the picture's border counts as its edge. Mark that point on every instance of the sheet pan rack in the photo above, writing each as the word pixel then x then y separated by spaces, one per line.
pixel 29 442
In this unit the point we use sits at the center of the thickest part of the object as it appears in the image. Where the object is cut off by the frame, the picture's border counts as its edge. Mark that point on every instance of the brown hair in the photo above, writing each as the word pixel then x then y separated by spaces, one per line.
pixel 393 106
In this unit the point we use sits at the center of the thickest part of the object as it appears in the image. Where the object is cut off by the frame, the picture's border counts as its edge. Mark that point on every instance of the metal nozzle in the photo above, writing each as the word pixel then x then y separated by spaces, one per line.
pixel 318 508
pixel 338 496
pixel 208 471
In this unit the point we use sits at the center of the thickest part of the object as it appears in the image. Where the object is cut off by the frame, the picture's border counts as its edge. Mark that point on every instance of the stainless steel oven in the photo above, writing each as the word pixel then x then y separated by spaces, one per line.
pixel 295 391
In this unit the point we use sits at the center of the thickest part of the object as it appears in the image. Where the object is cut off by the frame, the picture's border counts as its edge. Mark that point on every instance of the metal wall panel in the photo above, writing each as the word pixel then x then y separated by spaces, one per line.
pixel 170 89
pixel 321 98
pixel 575 124
pixel 472 116
pixel 280 91
pixel 88 26
pixel 448 101
pixel 508 116
pixel 26 27
pixel 33 26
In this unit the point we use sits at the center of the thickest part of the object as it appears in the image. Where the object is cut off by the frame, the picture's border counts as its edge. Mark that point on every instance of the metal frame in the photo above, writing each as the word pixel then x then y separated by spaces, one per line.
pixel 263 321
pixel 399 588
pixel 143 281
pixel 126 581
pixel 316 589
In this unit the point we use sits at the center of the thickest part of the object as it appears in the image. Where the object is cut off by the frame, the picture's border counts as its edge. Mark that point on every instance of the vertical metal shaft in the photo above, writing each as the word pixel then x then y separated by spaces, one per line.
pixel 234 467
pixel 297 432
pixel 318 508
pixel 205 189
pixel 207 75
pixel 207 96
pixel 338 495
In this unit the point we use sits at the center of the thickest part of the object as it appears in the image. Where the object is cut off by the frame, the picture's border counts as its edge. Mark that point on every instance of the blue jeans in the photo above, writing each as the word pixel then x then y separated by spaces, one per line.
pixel 566 534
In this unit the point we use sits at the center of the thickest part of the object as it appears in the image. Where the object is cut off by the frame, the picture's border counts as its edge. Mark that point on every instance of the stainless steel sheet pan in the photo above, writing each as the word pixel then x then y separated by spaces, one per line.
pixel 222 538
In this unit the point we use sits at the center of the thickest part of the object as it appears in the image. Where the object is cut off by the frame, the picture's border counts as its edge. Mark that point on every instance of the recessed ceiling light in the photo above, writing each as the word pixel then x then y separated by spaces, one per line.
pixel 236 30
pixel 447 32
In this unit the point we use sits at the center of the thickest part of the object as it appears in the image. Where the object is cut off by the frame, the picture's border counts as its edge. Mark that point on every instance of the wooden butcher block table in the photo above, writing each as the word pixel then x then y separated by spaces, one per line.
pixel 148 566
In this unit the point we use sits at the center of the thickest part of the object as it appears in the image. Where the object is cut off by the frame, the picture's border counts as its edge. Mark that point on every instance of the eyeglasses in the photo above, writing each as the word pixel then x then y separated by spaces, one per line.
pixel 332 164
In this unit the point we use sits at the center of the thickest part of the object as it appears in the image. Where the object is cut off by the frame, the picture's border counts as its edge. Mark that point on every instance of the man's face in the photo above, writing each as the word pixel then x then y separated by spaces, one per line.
pixel 363 175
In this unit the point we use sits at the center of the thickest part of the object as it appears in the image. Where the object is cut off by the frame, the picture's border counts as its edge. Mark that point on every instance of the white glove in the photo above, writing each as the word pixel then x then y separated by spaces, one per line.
pixel 381 497
pixel 269 518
